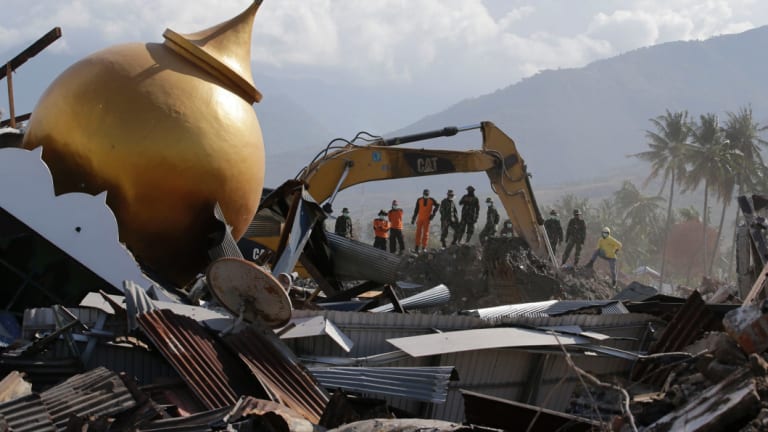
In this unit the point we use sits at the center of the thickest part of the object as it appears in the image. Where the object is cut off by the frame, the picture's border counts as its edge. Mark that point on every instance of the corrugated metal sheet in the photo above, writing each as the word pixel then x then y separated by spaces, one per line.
pixel 509 415
pixel 371 331
pixel 688 324
pixel 431 297
pixel 227 246
pixel 138 362
pixel 549 308
pixel 215 376
pixel 428 384
pixel 263 225
pixel 273 364
pixel 502 373
pixel 27 414
pixel 137 302
pixel 42 320
pixel 42 373
pixel 359 261
pixel 99 392
pixel 196 422
pixel 211 318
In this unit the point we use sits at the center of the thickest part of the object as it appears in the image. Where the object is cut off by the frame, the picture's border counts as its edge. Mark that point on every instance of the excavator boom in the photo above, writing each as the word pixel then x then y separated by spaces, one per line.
pixel 383 160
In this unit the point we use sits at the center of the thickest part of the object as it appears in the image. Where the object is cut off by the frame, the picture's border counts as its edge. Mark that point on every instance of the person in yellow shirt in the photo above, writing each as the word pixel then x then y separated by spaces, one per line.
pixel 607 249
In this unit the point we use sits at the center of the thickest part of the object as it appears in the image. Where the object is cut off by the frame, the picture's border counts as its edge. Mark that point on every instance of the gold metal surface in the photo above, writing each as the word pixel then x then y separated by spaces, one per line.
pixel 223 50
pixel 165 137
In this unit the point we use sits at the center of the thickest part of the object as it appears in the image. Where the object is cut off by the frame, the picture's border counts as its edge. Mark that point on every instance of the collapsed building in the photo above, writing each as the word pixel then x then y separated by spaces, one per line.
pixel 137 300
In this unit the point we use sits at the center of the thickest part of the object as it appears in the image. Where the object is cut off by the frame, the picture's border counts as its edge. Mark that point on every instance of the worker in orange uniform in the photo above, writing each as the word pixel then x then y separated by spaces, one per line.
pixel 425 210
pixel 395 216
pixel 381 231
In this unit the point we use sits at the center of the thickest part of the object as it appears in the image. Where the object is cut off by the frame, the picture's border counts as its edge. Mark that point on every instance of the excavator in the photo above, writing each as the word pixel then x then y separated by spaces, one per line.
pixel 338 167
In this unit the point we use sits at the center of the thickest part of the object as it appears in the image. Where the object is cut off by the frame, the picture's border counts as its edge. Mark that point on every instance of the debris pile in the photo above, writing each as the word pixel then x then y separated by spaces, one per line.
pixel 93 338
pixel 503 271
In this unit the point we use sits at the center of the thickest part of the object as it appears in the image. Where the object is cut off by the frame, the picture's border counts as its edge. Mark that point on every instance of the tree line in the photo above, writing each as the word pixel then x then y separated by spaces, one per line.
pixel 685 154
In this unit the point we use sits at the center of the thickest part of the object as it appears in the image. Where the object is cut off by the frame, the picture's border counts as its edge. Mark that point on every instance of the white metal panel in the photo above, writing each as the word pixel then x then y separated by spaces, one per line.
pixel 81 225
pixel 496 372
pixel 478 339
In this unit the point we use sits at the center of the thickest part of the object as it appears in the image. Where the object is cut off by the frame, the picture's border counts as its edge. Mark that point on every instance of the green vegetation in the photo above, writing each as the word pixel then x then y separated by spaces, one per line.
pixel 685 155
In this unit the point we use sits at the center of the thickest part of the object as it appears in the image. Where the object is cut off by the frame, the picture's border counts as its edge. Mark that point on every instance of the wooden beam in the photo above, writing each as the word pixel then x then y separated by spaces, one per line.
pixel 12 107
pixel 756 287
pixel 33 49
pixel 19 119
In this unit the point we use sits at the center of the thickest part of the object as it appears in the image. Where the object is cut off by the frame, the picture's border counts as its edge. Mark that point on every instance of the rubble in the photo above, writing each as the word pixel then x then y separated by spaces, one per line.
pixel 501 272
pixel 490 337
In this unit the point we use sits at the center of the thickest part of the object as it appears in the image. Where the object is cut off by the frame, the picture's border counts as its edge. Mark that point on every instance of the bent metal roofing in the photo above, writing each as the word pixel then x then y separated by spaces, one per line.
pixel 486 338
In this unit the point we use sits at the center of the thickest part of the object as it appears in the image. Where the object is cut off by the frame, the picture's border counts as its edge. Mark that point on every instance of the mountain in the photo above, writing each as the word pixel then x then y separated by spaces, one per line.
pixel 576 127
pixel 575 124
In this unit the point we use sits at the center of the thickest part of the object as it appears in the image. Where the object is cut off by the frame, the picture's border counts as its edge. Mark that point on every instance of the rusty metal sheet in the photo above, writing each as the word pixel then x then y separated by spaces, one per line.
pixel 717 408
pixel 248 289
pixel 688 324
pixel 489 411
pixel 215 376
pixel 277 369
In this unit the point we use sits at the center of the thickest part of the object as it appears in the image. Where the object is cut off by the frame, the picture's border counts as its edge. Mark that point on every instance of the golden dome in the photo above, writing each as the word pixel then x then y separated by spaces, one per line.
pixel 167 130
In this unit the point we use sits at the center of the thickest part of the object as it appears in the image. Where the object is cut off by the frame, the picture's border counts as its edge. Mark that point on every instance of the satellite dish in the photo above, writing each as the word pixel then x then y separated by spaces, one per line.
pixel 242 286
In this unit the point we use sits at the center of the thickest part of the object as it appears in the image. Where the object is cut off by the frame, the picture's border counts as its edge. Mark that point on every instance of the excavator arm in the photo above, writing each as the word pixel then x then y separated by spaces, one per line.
pixel 343 167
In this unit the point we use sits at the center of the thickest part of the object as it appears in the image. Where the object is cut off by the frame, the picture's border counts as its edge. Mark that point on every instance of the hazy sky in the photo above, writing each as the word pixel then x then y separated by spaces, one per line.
pixel 446 50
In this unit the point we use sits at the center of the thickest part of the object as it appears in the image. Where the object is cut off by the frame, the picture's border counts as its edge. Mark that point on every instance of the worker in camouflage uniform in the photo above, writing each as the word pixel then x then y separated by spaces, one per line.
pixel 470 211
pixel 344 224
pixel 507 231
pixel 449 217
pixel 575 234
pixel 554 230
pixel 491 221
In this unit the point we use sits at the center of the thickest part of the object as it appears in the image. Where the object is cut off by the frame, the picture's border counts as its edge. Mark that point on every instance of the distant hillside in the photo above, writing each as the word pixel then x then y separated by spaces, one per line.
pixel 574 124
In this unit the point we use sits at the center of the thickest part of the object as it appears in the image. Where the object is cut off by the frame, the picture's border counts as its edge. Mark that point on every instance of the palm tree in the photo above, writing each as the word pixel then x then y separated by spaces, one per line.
pixel 639 212
pixel 639 219
pixel 688 214
pixel 570 202
pixel 668 145
pixel 743 133
pixel 709 157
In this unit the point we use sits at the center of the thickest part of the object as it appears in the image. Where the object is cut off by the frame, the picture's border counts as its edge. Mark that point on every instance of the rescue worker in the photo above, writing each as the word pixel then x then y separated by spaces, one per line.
pixel 423 213
pixel 607 248
pixel 506 230
pixel 395 217
pixel 575 234
pixel 554 230
pixel 470 210
pixel 449 216
pixel 381 230
pixel 344 224
pixel 491 220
